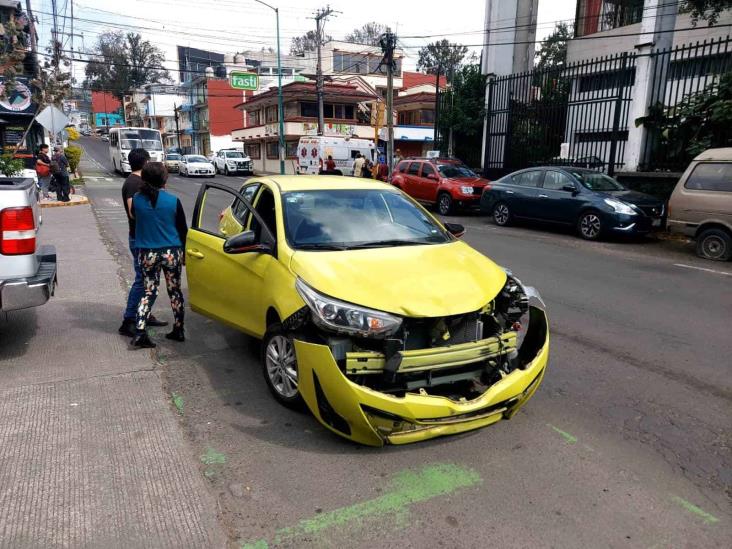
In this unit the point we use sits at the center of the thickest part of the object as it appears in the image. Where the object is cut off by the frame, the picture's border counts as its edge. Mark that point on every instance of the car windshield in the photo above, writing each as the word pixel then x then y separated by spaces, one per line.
pixel 145 139
pixel 598 181
pixel 351 219
pixel 173 157
pixel 453 171
pixel 196 159
pixel 235 154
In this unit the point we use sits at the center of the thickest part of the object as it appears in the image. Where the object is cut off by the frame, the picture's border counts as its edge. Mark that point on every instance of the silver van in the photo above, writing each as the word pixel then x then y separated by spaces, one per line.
pixel 701 204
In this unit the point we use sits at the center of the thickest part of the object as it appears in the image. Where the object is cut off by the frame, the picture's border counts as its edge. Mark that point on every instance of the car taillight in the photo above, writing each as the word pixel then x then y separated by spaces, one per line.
pixel 17 231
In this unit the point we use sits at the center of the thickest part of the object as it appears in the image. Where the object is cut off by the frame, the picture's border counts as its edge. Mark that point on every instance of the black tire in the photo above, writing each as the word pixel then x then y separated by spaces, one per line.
pixel 226 171
pixel 444 204
pixel 274 370
pixel 714 244
pixel 589 225
pixel 502 215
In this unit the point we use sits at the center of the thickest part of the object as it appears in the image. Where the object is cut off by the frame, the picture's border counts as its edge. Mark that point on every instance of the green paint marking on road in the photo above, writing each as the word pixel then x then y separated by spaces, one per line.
pixel 701 513
pixel 212 457
pixel 407 488
pixel 177 402
pixel 569 438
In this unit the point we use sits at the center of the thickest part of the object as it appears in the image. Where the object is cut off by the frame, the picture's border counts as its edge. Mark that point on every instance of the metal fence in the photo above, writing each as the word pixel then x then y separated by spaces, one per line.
pixel 579 114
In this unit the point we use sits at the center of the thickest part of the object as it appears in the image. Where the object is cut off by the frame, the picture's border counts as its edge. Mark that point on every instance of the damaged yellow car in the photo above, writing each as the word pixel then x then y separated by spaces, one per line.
pixel 370 311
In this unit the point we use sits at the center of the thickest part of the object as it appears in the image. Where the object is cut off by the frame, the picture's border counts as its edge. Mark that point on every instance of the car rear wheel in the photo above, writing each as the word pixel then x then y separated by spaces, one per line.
pixel 714 244
pixel 590 226
pixel 226 171
pixel 444 204
pixel 501 214
pixel 279 364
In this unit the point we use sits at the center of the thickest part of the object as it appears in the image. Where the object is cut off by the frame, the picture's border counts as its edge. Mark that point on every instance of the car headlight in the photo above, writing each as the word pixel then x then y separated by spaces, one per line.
pixel 339 316
pixel 620 207
pixel 466 190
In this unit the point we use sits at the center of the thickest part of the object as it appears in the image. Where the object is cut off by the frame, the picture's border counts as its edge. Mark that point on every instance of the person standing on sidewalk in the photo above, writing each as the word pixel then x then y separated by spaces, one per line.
pixel 62 175
pixel 137 159
pixel 43 169
pixel 160 236
pixel 358 165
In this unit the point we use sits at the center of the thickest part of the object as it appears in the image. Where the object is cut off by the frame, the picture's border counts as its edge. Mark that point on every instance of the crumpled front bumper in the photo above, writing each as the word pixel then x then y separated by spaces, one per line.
pixel 374 418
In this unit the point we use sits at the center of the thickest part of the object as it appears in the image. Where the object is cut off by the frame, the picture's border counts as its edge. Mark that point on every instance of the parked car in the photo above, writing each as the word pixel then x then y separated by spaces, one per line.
pixel 228 161
pixel 105 137
pixel 27 269
pixel 452 343
pixel 444 182
pixel 172 161
pixel 196 165
pixel 701 204
pixel 594 203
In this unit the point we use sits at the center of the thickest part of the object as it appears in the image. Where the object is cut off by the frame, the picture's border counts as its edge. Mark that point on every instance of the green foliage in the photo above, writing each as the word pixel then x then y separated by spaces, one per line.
pixel 708 10
pixel 700 121
pixel 72 133
pixel 53 83
pixel 369 34
pixel 553 51
pixel 73 154
pixel 308 42
pixel 12 54
pixel 442 56
pixel 121 62
pixel 11 167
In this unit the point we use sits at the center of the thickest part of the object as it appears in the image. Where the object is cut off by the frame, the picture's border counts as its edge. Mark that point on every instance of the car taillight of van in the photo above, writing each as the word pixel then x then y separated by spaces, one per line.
pixel 17 231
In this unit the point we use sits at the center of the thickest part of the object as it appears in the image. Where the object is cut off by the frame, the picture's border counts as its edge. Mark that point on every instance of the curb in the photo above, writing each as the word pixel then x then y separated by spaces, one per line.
pixel 82 200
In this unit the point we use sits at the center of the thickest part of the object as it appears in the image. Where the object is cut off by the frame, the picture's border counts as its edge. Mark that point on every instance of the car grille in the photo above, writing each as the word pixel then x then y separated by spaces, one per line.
pixel 653 211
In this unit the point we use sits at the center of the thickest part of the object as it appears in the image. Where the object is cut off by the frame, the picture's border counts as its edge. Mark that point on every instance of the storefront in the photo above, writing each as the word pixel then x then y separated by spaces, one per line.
pixel 16 113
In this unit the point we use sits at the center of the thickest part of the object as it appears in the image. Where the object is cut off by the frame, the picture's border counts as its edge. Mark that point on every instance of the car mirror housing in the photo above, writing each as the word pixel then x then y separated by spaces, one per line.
pixel 432 176
pixel 570 189
pixel 245 242
pixel 455 229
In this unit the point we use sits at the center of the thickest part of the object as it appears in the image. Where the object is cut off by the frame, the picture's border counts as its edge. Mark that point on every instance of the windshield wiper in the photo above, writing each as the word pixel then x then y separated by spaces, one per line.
pixel 322 246
pixel 387 244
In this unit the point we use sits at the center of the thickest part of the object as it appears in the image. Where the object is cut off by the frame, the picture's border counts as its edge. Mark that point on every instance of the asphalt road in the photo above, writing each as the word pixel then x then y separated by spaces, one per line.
pixel 626 443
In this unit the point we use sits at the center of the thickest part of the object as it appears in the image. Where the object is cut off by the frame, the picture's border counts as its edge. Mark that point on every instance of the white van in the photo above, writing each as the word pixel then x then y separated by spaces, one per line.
pixel 313 152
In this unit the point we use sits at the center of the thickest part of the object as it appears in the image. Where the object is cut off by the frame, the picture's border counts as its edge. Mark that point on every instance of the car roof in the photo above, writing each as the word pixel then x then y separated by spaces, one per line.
pixel 432 160
pixel 716 154
pixel 287 183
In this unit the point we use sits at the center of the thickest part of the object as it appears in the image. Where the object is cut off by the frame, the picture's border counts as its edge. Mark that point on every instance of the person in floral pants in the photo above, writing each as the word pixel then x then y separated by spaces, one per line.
pixel 160 233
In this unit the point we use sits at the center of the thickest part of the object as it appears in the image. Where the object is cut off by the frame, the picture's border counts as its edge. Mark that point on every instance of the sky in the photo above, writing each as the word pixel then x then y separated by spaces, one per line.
pixel 228 26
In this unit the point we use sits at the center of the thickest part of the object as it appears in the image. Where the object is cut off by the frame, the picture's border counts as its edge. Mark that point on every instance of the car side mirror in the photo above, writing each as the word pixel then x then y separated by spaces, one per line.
pixel 570 188
pixel 245 242
pixel 431 176
pixel 455 229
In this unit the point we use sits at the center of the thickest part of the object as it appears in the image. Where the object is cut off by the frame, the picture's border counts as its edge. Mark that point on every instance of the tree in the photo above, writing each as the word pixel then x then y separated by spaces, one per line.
pixel 300 45
pixel 53 83
pixel 441 56
pixel 13 51
pixel 369 34
pixel 121 62
pixel 708 10
pixel 553 50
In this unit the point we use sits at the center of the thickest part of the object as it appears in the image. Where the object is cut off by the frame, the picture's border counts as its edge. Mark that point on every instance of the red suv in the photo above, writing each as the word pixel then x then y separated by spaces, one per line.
pixel 445 182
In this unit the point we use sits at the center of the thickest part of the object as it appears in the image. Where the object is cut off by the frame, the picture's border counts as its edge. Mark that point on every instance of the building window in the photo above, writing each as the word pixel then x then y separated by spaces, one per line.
pixel 273 150
pixel 254 118
pixel 427 117
pixel 253 150
pixel 308 109
pixel 291 147
pixel 607 80
pixel 359 63
pixel 271 114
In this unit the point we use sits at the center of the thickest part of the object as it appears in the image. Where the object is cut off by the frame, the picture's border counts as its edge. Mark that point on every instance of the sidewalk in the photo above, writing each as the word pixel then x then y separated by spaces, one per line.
pixel 91 453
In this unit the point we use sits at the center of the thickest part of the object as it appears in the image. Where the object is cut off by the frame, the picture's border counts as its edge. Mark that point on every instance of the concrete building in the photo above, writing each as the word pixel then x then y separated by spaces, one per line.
pixel 160 104
pixel 106 109
pixel 342 60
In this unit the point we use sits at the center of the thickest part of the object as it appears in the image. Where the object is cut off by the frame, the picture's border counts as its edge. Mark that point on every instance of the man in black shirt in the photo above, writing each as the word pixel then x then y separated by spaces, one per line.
pixel 137 159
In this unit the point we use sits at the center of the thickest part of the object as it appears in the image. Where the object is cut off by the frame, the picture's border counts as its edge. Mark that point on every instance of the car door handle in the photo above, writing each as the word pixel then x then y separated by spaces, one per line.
pixel 196 254
pixel 543 196
pixel 509 192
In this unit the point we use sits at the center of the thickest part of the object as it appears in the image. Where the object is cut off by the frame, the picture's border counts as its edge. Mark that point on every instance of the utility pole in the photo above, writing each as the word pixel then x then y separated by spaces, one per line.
pixel 34 44
pixel 320 15
pixel 177 127
pixel 437 105
pixel 388 44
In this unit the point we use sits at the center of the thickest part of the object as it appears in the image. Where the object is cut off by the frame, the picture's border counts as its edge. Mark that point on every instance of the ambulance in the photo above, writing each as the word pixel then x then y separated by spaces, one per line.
pixel 313 152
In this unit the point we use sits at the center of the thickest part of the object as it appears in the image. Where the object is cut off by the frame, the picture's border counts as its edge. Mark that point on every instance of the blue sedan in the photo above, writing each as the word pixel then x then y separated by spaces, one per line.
pixel 593 202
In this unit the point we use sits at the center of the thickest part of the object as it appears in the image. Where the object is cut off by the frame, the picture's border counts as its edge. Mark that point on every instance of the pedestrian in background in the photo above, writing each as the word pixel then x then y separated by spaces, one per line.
pixel 358 165
pixel 382 171
pixel 61 175
pixel 330 164
pixel 367 169
pixel 160 235
pixel 43 170
pixel 137 159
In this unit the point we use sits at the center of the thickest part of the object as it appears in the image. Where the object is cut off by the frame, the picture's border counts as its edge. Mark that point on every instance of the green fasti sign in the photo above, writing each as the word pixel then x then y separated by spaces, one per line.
pixel 244 81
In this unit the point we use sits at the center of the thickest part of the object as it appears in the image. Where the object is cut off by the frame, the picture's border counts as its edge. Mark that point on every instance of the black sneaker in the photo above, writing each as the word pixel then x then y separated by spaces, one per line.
pixel 176 335
pixel 143 341
pixel 128 328
pixel 152 321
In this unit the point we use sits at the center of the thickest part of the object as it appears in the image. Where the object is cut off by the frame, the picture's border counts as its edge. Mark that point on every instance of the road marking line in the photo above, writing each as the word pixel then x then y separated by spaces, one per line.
pixel 702 269
pixel 706 517
pixel 407 488
pixel 569 438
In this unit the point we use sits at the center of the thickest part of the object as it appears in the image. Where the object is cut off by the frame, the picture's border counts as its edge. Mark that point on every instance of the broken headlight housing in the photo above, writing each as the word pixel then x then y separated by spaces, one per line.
pixel 338 316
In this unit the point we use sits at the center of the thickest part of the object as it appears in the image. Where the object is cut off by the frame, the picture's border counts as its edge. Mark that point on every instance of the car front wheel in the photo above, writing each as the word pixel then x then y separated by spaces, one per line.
pixel 714 244
pixel 590 226
pixel 501 214
pixel 279 363
pixel 444 204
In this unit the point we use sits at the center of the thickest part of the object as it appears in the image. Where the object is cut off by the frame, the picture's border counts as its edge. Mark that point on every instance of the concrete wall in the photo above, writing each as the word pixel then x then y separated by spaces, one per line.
pixel 516 20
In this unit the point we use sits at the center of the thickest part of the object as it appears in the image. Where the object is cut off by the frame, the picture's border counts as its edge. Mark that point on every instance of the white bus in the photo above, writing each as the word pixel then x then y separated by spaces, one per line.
pixel 123 140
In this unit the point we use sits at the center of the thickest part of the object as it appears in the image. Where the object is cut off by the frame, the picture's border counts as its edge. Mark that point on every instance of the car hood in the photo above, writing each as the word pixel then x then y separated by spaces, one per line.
pixel 634 197
pixel 472 181
pixel 415 281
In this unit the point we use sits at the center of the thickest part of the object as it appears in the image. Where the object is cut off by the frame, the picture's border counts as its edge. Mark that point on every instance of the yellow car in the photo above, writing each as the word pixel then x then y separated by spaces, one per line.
pixel 371 312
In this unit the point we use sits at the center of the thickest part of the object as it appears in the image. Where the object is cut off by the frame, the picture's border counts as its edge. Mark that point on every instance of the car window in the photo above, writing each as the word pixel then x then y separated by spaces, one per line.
pixel 238 208
pixel 413 168
pixel 596 181
pixel 711 176
pixel 427 169
pixel 455 170
pixel 403 166
pixel 265 207
pixel 527 179
pixel 555 181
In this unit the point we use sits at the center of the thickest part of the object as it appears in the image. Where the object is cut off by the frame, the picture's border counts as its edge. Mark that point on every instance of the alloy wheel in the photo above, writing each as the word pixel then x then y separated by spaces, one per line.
pixel 444 204
pixel 590 226
pixel 713 247
pixel 501 214
pixel 281 365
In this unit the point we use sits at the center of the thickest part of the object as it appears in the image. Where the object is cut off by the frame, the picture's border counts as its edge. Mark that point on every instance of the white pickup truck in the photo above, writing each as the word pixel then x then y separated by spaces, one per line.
pixel 27 269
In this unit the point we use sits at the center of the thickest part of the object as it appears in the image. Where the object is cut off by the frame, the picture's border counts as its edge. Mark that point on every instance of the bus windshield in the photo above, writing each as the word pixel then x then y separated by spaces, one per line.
pixel 145 139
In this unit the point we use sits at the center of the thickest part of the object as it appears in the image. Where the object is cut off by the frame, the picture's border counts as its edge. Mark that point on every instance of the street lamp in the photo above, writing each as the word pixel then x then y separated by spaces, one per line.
pixel 280 106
